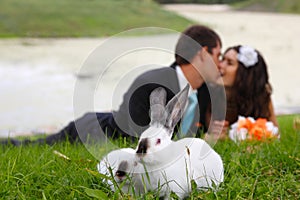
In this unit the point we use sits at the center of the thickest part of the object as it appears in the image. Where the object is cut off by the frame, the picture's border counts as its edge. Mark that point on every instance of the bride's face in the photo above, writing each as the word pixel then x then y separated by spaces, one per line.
pixel 228 67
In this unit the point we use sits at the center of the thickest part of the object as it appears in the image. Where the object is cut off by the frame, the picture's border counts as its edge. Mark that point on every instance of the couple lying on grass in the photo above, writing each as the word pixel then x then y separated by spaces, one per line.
pixel 238 84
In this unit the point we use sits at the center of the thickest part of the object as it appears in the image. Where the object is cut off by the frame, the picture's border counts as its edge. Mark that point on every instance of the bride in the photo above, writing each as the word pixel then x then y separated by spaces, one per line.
pixel 248 91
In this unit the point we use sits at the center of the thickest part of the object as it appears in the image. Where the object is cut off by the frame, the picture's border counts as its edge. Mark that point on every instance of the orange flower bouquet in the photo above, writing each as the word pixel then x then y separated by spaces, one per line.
pixel 251 129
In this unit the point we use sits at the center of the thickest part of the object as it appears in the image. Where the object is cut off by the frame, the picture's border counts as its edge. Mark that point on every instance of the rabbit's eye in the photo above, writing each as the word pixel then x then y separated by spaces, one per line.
pixel 157 142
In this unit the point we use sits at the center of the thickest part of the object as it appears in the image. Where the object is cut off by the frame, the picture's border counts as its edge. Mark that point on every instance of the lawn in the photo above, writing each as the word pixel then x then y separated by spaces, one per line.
pixel 77 18
pixel 252 170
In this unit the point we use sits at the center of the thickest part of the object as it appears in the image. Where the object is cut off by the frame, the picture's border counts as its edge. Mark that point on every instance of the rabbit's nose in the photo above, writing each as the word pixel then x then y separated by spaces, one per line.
pixel 142 148
pixel 121 172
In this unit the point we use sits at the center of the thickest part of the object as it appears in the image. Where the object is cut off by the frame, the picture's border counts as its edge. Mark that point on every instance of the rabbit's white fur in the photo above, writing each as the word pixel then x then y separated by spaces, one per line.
pixel 173 165
pixel 122 160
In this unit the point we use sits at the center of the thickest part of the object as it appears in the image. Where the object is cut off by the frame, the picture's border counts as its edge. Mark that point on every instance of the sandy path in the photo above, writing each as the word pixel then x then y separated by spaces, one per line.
pixel 37 82
pixel 38 76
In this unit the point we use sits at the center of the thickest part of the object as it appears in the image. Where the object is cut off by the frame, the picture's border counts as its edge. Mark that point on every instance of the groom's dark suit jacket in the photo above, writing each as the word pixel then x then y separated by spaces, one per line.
pixel 133 114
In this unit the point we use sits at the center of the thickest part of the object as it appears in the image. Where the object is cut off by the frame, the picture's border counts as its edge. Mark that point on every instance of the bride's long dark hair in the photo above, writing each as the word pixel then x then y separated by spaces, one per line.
pixel 251 88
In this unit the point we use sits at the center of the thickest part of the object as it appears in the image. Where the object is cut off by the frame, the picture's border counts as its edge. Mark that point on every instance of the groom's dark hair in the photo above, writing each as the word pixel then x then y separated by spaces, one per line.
pixel 191 41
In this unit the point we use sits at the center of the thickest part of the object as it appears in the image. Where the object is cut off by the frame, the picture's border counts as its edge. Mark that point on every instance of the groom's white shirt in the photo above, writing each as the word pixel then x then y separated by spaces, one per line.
pixel 182 80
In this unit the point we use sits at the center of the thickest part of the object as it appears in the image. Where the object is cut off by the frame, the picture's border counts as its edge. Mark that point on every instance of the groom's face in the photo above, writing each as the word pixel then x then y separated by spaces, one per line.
pixel 210 71
pixel 205 64
pixel 216 54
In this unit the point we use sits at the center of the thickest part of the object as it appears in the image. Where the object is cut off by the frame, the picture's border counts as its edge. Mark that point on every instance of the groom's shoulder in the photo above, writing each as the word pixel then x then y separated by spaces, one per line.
pixel 158 71
pixel 164 76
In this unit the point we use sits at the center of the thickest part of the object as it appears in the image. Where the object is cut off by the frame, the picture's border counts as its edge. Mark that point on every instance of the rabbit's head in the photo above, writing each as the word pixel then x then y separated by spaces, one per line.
pixel 163 120
pixel 118 163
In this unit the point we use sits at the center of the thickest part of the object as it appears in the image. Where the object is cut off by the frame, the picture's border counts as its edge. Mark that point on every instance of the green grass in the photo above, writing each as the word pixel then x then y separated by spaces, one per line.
pixel 284 6
pixel 82 18
pixel 252 170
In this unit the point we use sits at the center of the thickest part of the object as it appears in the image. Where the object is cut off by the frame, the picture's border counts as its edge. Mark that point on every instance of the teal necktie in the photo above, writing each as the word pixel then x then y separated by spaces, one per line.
pixel 188 117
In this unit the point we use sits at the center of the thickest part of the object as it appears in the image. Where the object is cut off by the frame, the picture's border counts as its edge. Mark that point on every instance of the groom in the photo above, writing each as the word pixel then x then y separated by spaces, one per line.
pixel 196 57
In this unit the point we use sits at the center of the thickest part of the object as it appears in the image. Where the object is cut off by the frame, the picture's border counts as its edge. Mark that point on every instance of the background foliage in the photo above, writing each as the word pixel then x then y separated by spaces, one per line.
pixel 98 18
pixel 77 18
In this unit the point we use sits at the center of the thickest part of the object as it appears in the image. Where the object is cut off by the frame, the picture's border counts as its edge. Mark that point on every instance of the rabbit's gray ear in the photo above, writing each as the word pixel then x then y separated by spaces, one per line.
pixel 175 108
pixel 157 106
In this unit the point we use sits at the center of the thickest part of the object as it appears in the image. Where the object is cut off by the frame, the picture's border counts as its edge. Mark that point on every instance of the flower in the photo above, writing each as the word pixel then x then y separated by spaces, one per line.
pixel 251 129
pixel 248 56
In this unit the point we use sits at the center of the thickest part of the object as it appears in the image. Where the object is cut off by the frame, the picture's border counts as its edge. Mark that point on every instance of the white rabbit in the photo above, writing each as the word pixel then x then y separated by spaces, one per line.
pixel 173 165
pixel 121 164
